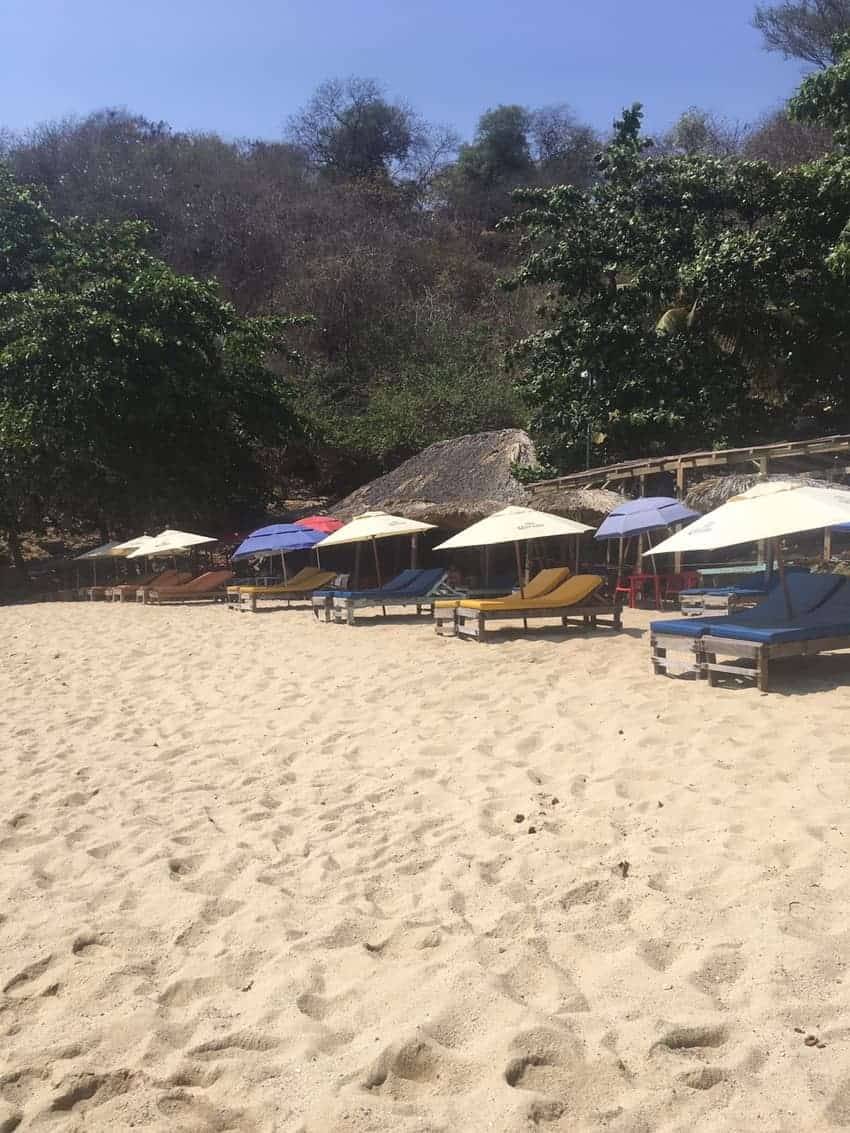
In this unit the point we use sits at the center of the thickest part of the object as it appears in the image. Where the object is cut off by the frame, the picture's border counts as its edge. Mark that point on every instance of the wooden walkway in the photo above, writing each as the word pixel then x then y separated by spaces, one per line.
pixel 821 455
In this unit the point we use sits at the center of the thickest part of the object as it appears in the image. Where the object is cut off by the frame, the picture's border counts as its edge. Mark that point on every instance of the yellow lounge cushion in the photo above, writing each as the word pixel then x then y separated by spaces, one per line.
pixel 569 593
pixel 544 582
pixel 296 585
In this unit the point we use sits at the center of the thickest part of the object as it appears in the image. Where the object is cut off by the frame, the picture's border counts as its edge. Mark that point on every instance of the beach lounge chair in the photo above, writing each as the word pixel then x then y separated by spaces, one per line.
pixel 675 644
pixel 696 601
pixel 323 600
pixel 127 591
pixel 104 591
pixel 544 582
pixel 577 598
pixel 293 591
pixel 417 593
pixel 209 587
pixel 304 582
pixel 747 650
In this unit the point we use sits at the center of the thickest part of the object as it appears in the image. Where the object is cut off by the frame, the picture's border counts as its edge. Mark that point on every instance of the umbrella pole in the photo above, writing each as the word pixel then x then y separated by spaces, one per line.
pixel 780 562
pixel 377 563
pixel 578 552
pixel 651 557
pixel 414 552
pixel 318 558
pixel 283 564
pixel 519 569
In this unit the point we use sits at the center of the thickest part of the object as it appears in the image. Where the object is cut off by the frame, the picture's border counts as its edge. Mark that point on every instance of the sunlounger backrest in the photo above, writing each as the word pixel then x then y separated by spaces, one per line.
pixel 807 592
pixel 545 581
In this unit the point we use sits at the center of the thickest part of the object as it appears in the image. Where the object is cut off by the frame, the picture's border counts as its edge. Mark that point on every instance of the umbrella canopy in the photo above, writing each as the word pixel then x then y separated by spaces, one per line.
pixel 324 523
pixel 649 513
pixel 131 545
pixel 278 539
pixel 105 551
pixel 168 542
pixel 374 525
pixel 513 525
pixel 766 511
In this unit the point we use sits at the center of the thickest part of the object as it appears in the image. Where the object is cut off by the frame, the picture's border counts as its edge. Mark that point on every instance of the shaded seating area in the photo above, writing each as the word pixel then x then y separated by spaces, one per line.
pixel 576 600
pixel 544 582
pixel 298 588
pixel 819 621
pixel 209 587
pixel 412 590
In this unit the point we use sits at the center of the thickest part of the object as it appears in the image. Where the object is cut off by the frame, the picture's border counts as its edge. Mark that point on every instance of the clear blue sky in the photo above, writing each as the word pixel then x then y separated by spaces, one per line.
pixel 242 66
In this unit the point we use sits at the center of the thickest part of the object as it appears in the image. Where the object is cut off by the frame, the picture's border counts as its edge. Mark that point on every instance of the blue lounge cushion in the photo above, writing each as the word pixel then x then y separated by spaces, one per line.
pixel 420 587
pixel 830 619
pixel 778 635
pixel 807 592
pixel 738 591
pixel 398 583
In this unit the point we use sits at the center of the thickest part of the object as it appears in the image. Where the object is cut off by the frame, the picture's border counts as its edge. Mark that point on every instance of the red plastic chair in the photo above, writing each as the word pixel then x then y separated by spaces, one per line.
pixel 624 586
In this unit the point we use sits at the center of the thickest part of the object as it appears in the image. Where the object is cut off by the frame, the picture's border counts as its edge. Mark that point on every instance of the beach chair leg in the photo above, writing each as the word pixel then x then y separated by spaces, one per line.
pixel 703 661
pixel 762 673
pixel 525 623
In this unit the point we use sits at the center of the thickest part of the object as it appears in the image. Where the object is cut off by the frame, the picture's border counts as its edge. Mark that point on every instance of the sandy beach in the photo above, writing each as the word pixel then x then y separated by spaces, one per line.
pixel 264 874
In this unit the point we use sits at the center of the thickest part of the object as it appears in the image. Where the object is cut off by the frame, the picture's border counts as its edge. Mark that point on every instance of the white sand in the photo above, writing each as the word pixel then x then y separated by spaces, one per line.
pixel 264 874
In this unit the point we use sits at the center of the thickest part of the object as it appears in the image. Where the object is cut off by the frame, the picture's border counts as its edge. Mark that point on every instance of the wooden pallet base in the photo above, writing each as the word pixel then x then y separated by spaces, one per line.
pixel 473 623
pixel 685 657
pixel 344 609
pixel 322 608
pixel 445 622
pixel 747 660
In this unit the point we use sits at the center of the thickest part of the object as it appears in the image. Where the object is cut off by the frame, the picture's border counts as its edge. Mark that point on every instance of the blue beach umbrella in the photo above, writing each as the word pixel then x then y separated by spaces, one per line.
pixel 636 517
pixel 278 539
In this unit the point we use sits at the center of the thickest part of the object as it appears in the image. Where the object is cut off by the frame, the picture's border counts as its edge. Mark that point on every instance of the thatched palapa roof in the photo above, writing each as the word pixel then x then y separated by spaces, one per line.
pixel 457 482
pixel 451 483
pixel 710 494
pixel 590 505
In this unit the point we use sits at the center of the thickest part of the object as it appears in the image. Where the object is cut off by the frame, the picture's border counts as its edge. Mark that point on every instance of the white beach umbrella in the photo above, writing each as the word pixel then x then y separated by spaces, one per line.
pixel 370 527
pixel 169 542
pixel 767 511
pixel 133 544
pixel 104 551
pixel 513 525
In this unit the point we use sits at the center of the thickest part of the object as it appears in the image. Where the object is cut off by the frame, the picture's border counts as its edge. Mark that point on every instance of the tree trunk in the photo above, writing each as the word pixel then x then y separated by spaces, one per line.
pixel 17 554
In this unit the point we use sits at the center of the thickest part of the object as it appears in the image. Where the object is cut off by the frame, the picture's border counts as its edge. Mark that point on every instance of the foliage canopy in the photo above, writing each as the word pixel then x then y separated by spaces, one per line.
pixel 128 393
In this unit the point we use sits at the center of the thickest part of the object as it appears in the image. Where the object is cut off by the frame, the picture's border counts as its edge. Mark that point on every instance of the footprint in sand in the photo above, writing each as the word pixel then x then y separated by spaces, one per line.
pixel 691 1039
pixel 552 1065
pixel 404 1070
pixel 26 976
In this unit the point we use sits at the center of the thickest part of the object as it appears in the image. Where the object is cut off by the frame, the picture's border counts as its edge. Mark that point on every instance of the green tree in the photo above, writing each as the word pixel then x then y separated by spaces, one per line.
pixel 349 129
pixel 129 394
pixel 687 301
